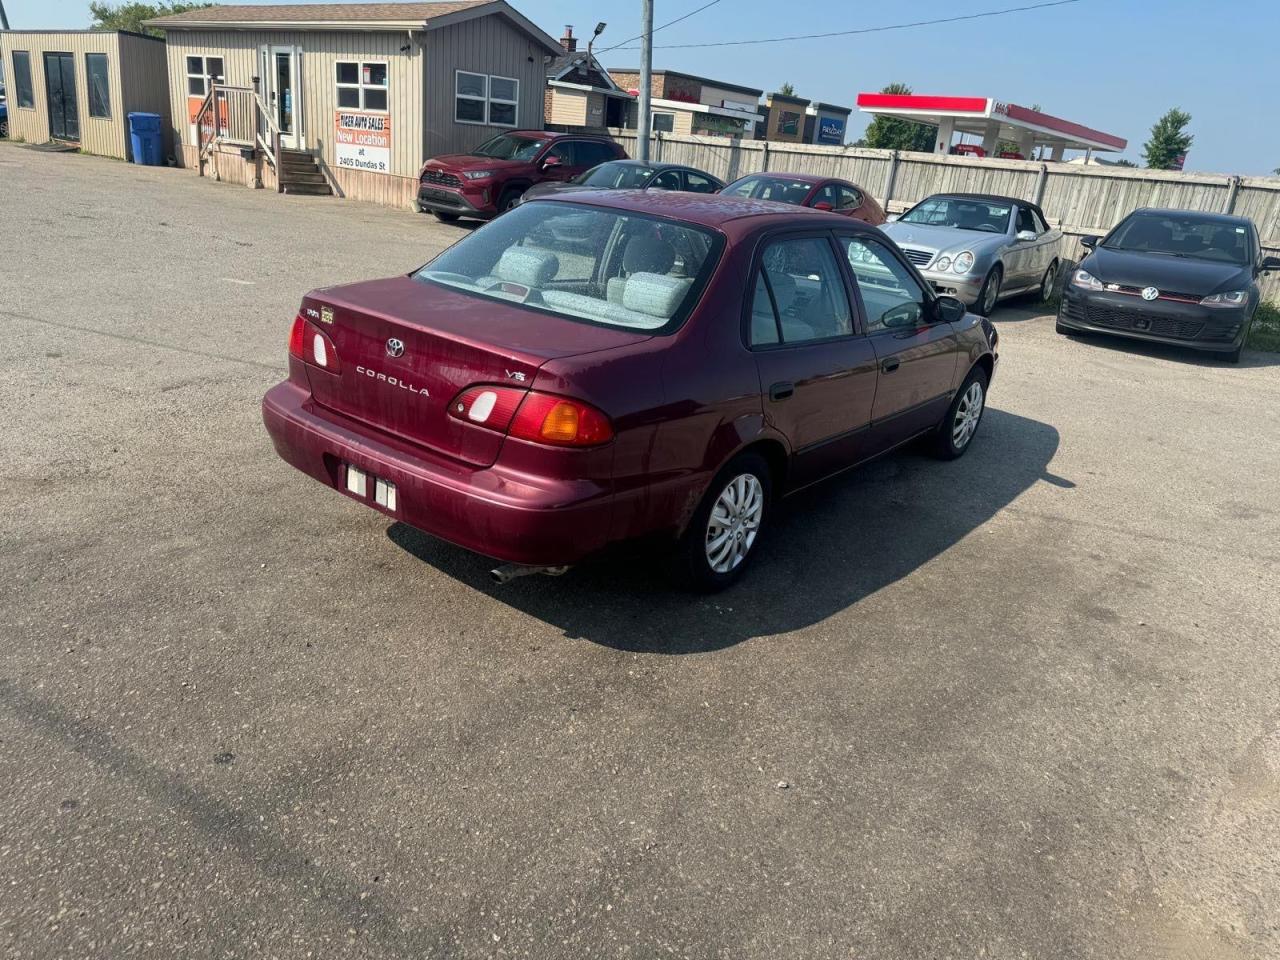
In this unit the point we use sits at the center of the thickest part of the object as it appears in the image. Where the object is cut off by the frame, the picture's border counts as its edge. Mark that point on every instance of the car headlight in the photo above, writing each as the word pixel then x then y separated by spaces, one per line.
pixel 1236 298
pixel 944 263
pixel 477 174
pixel 1083 278
pixel 963 263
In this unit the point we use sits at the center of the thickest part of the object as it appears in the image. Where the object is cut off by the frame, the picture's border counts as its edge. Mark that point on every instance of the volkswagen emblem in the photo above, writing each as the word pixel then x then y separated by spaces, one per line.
pixel 395 348
pixel 1148 293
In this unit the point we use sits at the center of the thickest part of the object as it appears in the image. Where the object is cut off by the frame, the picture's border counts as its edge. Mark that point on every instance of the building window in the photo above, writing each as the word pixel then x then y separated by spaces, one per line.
pixel 95 68
pixel 663 122
pixel 199 71
pixel 362 85
pixel 22 79
pixel 480 98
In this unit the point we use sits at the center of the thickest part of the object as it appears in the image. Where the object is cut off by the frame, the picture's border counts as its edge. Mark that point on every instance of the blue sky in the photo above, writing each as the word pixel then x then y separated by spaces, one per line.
pixel 1115 65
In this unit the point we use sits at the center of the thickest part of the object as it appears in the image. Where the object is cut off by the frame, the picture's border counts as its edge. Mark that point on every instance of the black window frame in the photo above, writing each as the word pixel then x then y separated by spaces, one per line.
pixel 686 172
pixel 762 243
pixel 89 89
pixel 18 78
pixel 931 316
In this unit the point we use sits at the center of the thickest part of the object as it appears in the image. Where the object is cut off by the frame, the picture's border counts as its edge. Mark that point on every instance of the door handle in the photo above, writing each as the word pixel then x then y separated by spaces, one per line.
pixel 782 390
pixel 890 364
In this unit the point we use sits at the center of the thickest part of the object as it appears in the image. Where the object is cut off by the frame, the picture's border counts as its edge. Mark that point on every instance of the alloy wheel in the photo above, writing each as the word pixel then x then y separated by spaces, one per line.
pixel 734 522
pixel 992 294
pixel 968 413
pixel 1046 285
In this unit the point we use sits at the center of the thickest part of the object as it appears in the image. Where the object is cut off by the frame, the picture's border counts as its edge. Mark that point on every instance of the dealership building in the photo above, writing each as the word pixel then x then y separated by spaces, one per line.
pixel 991 121
pixel 358 95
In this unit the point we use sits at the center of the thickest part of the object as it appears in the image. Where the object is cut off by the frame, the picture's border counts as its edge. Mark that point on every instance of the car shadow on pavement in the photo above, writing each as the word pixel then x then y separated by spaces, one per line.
pixel 828 548
pixel 1175 352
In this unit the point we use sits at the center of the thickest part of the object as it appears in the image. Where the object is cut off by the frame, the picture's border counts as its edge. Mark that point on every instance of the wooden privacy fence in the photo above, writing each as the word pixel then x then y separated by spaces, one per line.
pixel 1080 199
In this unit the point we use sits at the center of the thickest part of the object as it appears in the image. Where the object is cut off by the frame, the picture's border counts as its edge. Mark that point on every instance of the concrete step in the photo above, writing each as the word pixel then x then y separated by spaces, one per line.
pixel 308 189
pixel 301 176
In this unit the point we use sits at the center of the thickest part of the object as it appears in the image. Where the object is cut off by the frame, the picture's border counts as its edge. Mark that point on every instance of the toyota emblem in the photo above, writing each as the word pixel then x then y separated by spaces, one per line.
pixel 395 348
pixel 1148 293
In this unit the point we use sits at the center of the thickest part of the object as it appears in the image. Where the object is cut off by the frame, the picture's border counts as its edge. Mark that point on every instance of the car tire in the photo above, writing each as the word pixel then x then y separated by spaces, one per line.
pixel 507 199
pixel 990 292
pixel 1049 284
pixel 960 425
pixel 737 505
pixel 446 217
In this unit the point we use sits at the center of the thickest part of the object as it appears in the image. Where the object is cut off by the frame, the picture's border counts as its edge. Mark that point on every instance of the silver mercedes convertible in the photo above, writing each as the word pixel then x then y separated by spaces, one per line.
pixel 980 248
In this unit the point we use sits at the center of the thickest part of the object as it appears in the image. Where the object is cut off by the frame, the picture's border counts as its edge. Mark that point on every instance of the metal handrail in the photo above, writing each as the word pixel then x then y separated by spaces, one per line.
pixel 272 151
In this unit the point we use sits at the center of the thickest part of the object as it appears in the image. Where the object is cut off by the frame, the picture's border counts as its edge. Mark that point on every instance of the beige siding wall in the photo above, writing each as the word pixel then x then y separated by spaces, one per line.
pixel 489 45
pixel 317 93
pixel 144 82
pixel 107 137
pixel 568 107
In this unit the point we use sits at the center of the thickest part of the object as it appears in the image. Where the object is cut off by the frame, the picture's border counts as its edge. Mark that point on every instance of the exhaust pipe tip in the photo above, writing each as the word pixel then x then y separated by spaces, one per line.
pixel 512 571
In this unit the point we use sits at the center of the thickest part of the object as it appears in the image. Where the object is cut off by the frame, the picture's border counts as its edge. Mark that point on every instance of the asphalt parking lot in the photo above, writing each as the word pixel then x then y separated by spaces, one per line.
pixel 1019 705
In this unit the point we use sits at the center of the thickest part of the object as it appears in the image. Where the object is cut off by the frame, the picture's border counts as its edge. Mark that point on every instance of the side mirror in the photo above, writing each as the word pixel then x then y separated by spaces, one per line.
pixel 823 205
pixel 1027 236
pixel 1089 242
pixel 950 309
pixel 551 161
pixel 1271 263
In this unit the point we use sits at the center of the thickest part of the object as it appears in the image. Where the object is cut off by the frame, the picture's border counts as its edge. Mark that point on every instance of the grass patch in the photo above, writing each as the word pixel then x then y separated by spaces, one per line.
pixel 1265 334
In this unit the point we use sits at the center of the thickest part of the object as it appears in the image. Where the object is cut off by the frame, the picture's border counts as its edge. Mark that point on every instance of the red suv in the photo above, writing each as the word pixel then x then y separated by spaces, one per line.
pixel 490 179
pixel 537 398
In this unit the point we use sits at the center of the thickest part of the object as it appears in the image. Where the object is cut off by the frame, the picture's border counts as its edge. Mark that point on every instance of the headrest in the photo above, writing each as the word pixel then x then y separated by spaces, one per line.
pixel 655 294
pixel 529 268
pixel 648 255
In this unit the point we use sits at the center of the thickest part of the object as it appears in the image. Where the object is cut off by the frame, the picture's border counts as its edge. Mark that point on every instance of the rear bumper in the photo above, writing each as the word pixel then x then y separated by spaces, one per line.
pixel 493 511
pixel 479 204
pixel 1213 329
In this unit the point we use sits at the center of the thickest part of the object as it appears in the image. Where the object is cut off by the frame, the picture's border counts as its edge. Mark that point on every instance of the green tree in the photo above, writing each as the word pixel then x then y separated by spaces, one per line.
pixel 787 90
pixel 1169 140
pixel 1276 171
pixel 1125 163
pixel 894 133
pixel 130 16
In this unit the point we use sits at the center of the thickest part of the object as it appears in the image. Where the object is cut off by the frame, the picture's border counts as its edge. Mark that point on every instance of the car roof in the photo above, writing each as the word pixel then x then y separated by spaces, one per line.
pixel 706 209
pixel 783 175
pixel 553 135
pixel 992 197
pixel 1206 215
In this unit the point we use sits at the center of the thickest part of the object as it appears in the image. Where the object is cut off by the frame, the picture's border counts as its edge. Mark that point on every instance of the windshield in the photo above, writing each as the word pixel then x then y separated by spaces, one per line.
pixel 617 175
pixel 1222 241
pixel 507 146
pixel 779 189
pixel 960 213
pixel 612 268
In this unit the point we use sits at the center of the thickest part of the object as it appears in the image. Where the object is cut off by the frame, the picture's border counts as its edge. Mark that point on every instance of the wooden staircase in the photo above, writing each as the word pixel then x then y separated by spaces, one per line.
pixel 299 172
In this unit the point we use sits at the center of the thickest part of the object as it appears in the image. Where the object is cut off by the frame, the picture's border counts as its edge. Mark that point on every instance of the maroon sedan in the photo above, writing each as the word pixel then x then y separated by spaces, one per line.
pixel 803 190
pixel 624 365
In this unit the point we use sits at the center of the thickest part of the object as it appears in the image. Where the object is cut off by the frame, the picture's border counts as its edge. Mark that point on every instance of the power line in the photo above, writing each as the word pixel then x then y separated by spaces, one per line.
pixel 669 23
pixel 848 33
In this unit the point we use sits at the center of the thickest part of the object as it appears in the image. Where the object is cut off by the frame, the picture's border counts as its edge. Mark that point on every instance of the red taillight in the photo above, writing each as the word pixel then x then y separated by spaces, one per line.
pixel 539 417
pixel 560 421
pixel 311 345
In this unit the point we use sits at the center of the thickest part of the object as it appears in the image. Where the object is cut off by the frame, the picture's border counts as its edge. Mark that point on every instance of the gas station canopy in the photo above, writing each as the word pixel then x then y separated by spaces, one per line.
pixel 993 120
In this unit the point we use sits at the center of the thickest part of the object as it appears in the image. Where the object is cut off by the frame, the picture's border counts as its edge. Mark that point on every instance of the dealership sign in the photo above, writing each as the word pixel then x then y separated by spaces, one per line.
pixel 830 130
pixel 362 141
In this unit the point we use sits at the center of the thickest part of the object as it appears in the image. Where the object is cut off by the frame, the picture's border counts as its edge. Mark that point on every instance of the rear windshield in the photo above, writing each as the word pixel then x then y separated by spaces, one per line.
pixel 778 189
pixel 960 213
pixel 1180 236
pixel 506 146
pixel 608 267
pixel 617 175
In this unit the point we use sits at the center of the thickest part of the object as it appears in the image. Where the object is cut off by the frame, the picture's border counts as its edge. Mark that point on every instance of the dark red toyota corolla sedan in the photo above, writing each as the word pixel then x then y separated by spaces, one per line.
pixel 592 370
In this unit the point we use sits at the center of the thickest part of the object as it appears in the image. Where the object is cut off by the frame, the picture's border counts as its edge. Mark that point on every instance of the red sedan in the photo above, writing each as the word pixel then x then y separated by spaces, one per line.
pixel 803 190
pixel 618 366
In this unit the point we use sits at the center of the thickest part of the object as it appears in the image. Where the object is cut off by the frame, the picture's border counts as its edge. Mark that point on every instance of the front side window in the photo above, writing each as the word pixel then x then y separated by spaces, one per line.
pixel 507 147
pixel 24 90
pixel 1026 221
pixel 481 98
pixel 95 67
pixel 891 296
pixel 961 213
pixel 666 180
pixel 619 174
pixel 582 263
pixel 199 72
pixel 698 183
pixel 850 199
pixel 361 85
pixel 778 189
pixel 805 294
pixel 1187 236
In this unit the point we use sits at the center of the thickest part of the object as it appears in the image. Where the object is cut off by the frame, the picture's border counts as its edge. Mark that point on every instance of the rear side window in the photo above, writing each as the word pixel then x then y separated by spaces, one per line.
pixel 591 154
pixel 22 78
pixel 799 288
pixel 697 183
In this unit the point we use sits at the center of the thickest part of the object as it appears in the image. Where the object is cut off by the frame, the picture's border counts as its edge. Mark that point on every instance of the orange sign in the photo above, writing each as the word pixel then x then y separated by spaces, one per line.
pixel 206 127
pixel 362 141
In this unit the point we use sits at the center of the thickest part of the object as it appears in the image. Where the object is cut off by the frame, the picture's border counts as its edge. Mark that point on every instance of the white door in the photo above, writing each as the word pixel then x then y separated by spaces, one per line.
pixel 281 91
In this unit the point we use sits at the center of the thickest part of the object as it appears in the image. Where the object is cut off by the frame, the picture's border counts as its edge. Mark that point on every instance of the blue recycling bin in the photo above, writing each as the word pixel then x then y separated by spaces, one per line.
pixel 144 135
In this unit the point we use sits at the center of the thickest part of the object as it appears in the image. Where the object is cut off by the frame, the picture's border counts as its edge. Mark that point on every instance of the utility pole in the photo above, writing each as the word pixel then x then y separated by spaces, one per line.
pixel 646 77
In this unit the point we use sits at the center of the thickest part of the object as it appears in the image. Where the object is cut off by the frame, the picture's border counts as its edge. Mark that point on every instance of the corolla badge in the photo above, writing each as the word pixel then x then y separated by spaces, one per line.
pixel 1150 293
pixel 395 348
